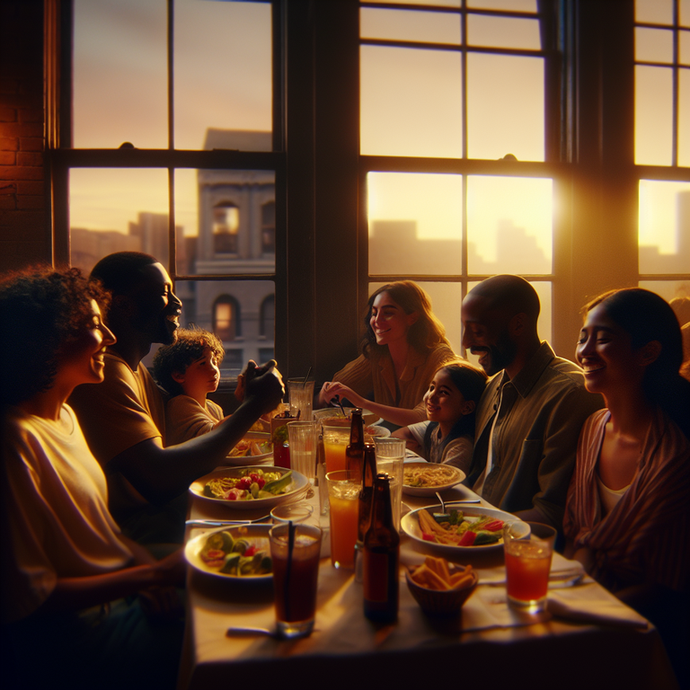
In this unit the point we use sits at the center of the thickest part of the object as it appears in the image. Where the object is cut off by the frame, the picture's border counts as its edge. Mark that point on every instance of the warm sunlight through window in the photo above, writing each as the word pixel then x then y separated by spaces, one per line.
pixel 662 82
pixel 664 227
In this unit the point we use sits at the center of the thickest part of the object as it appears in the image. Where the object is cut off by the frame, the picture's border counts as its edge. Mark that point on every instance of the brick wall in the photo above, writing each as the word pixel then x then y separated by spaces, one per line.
pixel 24 214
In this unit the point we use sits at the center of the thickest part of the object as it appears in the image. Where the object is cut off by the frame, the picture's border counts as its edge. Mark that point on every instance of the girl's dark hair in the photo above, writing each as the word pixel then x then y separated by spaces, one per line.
pixel 646 316
pixel 187 348
pixel 44 311
pixel 470 381
pixel 425 334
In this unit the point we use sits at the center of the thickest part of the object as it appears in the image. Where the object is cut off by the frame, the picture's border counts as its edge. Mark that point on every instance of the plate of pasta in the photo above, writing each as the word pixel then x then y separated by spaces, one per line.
pixel 461 531
pixel 426 478
pixel 250 488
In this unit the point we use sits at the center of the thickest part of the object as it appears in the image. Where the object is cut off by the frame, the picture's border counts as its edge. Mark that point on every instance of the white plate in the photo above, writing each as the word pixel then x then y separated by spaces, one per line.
pixel 410 525
pixel 431 490
pixel 254 534
pixel 299 484
pixel 265 458
pixel 369 418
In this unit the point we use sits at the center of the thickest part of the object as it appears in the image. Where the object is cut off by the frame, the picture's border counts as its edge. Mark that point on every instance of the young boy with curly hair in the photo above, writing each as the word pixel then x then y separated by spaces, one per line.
pixel 188 370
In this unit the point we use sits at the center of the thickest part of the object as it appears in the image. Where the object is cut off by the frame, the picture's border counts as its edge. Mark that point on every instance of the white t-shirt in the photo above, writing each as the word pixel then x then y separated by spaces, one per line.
pixel 56 511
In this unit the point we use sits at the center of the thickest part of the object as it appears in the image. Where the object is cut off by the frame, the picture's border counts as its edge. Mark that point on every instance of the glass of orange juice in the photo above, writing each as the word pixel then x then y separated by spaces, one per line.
pixel 528 562
pixel 343 496
pixel 335 440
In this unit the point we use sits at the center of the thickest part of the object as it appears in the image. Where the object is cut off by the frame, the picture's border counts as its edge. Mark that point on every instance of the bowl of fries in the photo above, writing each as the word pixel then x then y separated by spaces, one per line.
pixel 441 588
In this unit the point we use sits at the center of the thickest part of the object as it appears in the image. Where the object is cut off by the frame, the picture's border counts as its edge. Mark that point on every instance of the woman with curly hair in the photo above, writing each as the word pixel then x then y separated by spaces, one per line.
pixel 404 344
pixel 188 370
pixel 66 565
pixel 627 517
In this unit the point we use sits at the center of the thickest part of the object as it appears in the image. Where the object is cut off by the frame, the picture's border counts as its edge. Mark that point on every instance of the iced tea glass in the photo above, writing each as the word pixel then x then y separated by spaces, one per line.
pixel 343 496
pixel 528 562
pixel 295 579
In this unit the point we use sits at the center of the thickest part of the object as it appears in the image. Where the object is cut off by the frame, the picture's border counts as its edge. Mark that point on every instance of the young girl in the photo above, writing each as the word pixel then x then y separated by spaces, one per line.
pixel 448 435
pixel 188 370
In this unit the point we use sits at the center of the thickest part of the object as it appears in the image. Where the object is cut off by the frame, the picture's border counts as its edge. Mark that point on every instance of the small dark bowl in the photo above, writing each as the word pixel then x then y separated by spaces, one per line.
pixel 442 603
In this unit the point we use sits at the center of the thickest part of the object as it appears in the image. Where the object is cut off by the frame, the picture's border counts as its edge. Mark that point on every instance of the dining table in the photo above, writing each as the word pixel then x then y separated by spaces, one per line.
pixel 586 637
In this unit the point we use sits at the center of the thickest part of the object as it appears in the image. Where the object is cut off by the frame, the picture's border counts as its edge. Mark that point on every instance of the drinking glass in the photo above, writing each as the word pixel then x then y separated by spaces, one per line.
pixel 335 441
pixel 301 397
pixel 528 562
pixel 390 456
pixel 302 440
pixel 295 577
pixel 343 496
pixel 292 512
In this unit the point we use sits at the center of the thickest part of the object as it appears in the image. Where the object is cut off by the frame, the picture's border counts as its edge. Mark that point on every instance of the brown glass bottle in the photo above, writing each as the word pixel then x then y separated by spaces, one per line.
pixel 354 453
pixel 366 493
pixel 381 557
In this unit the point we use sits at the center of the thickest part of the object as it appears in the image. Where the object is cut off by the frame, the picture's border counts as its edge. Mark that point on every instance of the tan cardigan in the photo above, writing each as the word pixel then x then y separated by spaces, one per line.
pixel 377 376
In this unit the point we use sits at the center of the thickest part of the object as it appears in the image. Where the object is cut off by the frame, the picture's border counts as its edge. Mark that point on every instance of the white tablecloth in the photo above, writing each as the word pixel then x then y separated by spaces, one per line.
pixel 625 652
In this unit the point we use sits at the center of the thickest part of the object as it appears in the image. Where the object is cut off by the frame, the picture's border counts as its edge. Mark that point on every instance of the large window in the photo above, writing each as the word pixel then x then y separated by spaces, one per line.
pixel 171 151
pixel 294 155
pixel 453 132
pixel 662 144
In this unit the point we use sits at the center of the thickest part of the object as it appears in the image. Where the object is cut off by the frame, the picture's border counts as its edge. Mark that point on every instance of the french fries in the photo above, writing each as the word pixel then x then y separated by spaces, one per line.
pixel 434 573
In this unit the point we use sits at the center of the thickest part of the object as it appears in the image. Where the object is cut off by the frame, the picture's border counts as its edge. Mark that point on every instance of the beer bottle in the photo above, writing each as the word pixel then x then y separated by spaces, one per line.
pixel 354 453
pixel 366 494
pixel 381 557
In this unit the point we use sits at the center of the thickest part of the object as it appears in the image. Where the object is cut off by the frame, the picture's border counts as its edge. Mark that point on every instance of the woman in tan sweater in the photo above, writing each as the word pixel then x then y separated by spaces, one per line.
pixel 404 344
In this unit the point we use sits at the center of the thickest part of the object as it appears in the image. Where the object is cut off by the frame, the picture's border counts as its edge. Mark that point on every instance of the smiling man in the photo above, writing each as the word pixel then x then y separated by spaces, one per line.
pixel 123 418
pixel 530 415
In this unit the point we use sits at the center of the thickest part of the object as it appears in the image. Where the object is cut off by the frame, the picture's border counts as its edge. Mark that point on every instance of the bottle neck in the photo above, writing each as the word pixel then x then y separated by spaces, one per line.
pixel 369 470
pixel 357 429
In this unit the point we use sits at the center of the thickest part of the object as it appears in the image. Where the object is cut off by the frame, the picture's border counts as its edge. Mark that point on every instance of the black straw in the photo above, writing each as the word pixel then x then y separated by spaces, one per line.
pixel 288 569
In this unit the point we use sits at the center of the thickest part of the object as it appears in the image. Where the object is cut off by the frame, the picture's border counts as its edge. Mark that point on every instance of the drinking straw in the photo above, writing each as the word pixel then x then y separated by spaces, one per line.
pixel 288 568
pixel 306 378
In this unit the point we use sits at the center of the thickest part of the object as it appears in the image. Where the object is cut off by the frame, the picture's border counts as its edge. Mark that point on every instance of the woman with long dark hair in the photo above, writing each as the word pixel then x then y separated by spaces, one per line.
pixel 627 515
pixel 403 345
pixel 70 610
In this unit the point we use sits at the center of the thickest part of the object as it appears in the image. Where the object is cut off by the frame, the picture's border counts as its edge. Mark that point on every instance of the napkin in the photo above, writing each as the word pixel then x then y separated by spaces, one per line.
pixel 592 604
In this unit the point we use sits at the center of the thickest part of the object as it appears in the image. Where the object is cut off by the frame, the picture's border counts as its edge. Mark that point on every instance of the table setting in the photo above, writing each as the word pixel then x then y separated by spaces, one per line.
pixel 232 622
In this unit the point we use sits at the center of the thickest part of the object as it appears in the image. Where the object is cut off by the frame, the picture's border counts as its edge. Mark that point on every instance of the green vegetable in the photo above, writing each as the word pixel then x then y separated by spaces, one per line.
pixel 277 486
pixel 484 537
pixel 231 564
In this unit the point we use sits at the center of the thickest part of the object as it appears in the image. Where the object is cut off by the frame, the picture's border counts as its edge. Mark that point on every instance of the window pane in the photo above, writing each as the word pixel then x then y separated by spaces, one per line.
pixel 503 32
pixel 505 107
pixel 664 227
pixel 684 47
pixel 441 3
pixel 653 121
pixel 684 119
pixel 511 5
pixel 668 289
pixel 509 225
pixel 112 87
pixel 654 11
pixel 446 300
pixel 206 303
pixel 415 223
pixel 226 221
pixel 403 25
pixel 405 111
pixel 685 12
pixel 113 210
pixel 654 45
pixel 222 67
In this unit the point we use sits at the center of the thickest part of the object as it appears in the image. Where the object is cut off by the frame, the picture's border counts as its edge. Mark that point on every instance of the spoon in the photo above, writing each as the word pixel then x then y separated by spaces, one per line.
pixel 336 400
pixel 440 500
